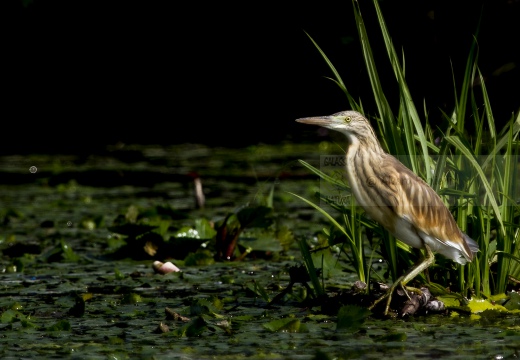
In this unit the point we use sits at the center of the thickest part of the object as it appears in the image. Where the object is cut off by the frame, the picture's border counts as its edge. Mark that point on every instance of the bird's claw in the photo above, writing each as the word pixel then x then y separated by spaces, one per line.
pixel 408 289
pixel 389 293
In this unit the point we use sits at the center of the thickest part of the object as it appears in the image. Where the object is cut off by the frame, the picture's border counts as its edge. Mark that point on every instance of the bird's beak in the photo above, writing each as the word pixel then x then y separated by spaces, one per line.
pixel 324 121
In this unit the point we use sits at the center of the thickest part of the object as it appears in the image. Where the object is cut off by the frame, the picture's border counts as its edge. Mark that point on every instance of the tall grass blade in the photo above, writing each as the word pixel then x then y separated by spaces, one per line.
pixel 440 165
pixel 391 134
pixel 309 263
pixel 337 78
pixel 503 141
pixel 455 141
pixel 358 257
pixel 487 107
pixel 409 112
pixel 461 103
pixel 505 242
pixel 324 176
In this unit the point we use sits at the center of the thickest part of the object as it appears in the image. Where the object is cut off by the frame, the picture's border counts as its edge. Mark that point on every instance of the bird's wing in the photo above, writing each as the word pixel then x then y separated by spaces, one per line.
pixel 416 202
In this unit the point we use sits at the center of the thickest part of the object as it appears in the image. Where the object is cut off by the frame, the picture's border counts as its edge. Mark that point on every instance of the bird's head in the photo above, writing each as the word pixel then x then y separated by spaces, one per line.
pixel 351 123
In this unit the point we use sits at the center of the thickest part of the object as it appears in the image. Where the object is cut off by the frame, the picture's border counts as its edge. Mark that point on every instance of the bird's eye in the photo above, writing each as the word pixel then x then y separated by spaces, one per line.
pixel 347 119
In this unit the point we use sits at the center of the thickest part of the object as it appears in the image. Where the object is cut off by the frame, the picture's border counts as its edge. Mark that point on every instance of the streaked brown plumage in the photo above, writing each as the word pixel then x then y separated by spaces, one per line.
pixel 395 197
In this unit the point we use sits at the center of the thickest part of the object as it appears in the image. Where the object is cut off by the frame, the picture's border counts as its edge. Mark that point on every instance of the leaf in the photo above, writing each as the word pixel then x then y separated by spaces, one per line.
pixel 162 227
pixel 285 237
pixel 339 183
pixel 199 258
pixel 351 318
pixel 60 252
pixel 27 324
pixel 62 325
pixel 9 316
pixel 204 229
pixel 481 305
pixel 150 248
pixel 194 328
pixel 258 289
pixel 17 306
pixel 131 214
pixel 455 141
pixel 337 79
pixel 131 298
pixel 311 269
pixel 450 301
pixel 291 325
pixel 409 113
pixel 118 274
pixel 263 241
pixel 210 306
pixel 68 254
pixel 223 324
pixel 514 302
pixel 330 218
pixel 397 336
pixel 327 262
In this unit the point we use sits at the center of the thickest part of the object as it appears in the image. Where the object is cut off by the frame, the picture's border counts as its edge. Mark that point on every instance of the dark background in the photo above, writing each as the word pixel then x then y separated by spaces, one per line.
pixel 80 75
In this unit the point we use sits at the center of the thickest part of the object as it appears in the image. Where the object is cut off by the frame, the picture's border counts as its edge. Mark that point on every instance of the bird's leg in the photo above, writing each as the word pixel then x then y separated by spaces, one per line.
pixel 408 289
pixel 403 280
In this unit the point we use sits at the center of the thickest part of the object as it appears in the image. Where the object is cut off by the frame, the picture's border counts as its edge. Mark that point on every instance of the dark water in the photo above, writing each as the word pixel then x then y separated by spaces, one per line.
pixel 64 294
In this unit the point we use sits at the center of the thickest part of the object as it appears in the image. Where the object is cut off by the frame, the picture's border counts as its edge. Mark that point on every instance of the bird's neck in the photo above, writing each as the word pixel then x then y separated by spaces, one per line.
pixel 357 145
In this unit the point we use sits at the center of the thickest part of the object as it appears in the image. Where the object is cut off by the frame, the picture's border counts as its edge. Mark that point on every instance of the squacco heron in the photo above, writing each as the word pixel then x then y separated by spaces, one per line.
pixel 396 198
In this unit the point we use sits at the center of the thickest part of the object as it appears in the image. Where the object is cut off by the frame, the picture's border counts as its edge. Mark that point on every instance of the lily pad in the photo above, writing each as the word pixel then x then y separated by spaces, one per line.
pixel 290 325
pixel 480 305
pixel 351 318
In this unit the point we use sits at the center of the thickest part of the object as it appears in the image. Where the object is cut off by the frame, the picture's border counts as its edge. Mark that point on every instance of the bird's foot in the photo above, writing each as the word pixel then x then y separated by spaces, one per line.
pixel 408 289
pixel 388 295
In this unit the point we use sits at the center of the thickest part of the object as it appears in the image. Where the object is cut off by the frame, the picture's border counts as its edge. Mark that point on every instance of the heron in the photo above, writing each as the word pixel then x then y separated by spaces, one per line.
pixel 396 198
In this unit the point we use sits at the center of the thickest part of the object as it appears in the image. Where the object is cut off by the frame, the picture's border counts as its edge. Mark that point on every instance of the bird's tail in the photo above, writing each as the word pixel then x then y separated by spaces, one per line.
pixel 472 244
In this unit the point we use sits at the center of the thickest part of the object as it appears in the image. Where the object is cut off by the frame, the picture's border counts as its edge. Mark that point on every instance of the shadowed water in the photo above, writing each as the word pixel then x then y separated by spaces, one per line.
pixel 56 246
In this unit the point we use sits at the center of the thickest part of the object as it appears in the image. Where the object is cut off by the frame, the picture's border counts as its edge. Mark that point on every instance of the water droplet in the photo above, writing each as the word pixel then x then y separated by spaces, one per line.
pixel 33 169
